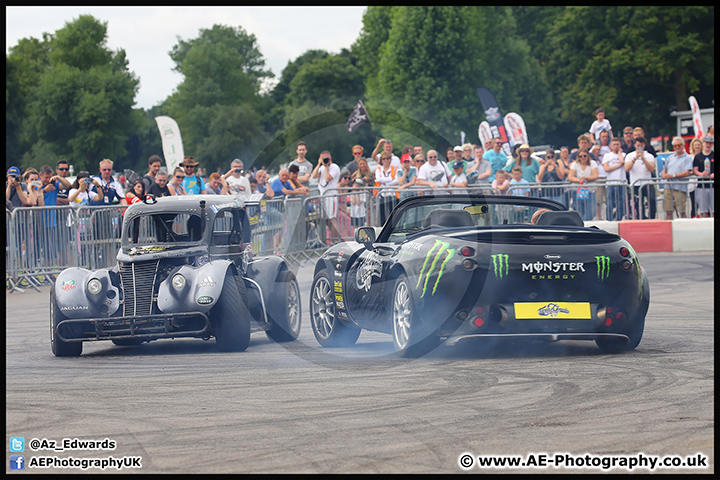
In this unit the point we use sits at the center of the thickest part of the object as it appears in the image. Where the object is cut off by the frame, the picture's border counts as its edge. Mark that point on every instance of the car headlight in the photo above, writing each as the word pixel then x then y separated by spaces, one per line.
pixel 178 281
pixel 94 286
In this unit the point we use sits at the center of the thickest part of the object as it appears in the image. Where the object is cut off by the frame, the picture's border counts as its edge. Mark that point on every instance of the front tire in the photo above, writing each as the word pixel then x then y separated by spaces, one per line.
pixel 286 327
pixel 231 317
pixel 60 348
pixel 328 330
pixel 409 338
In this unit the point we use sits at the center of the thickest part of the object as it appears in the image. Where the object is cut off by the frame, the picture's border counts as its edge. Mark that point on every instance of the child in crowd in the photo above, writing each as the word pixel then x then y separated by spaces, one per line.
pixel 501 183
pixel 518 180
pixel 601 123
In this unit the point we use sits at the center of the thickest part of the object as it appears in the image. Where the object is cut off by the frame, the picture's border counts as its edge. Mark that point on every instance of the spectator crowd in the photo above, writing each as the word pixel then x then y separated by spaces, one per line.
pixel 600 170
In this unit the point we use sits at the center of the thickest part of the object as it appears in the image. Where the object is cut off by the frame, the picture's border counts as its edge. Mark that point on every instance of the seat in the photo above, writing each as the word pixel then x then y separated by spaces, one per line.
pixel 448 218
pixel 568 218
pixel 194 228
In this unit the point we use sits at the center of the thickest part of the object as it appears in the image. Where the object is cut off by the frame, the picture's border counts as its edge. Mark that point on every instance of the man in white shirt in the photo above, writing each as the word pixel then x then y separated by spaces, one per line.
pixel 386 146
pixel 641 164
pixel 328 175
pixel 614 165
pixel 236 180
pixel 433 173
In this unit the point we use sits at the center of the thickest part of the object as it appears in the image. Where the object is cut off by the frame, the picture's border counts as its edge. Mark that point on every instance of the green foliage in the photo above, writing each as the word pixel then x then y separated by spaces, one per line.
pixel 74 95
pixel 434 58
pixel 415 67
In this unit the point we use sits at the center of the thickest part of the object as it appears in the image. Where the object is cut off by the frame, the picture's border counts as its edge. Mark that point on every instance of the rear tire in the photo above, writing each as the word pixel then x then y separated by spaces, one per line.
pixel 60 348
pixel 613 345
pixel 286 327
pixel 328 330
pixel 410 339
pixel 231 317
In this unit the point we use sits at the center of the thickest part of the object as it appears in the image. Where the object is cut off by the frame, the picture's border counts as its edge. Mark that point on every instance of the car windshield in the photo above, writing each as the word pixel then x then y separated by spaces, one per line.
pixel 162 228
pixel 458 213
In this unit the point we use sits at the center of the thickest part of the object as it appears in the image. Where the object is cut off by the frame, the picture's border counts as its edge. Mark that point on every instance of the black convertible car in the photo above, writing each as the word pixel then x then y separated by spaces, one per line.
pixel 450 267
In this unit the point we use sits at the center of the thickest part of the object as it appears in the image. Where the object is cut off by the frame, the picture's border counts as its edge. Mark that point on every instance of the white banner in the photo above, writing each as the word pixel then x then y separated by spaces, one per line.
pixel 171 142
pixel 484 132
pixel 515 128
pixel 697 120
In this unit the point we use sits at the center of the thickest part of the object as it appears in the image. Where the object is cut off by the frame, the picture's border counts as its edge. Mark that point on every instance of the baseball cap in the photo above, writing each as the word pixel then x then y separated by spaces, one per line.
pixel 458 149
pixel 13 171
pixel 706 138
pixel 458 164
pixel 405 158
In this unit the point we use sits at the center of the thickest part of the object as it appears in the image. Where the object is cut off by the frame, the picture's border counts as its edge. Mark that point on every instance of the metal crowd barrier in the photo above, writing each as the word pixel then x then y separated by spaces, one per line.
pixel 42 241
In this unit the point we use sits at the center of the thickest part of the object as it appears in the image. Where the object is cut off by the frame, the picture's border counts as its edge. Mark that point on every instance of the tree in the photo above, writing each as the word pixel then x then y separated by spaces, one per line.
pixel 431 61
pixel 639 64
pixel 81 105
pixel 223 71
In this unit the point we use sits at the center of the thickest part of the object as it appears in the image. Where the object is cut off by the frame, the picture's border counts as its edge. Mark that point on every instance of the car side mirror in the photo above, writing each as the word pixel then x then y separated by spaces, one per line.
pixel 366 236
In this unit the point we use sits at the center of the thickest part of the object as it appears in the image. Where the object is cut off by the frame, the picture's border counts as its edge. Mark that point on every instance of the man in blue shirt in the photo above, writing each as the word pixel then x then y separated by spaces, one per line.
pixel 193 183
pixel 281 185
pixel 496 157
pixel 678 167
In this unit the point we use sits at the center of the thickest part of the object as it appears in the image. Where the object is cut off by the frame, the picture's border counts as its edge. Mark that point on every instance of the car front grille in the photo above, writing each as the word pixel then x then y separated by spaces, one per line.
pixel 138 280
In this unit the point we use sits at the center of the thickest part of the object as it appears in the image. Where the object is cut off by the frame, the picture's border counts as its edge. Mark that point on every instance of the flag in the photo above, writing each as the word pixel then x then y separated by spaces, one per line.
pixel 494 116
pixel 515 126
pixel 697 119
pixel 484 132
pixel 171 142
pixel 358 116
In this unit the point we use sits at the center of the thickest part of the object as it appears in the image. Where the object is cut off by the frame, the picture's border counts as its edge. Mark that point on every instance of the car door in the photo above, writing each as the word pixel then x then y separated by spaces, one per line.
pixel 366 286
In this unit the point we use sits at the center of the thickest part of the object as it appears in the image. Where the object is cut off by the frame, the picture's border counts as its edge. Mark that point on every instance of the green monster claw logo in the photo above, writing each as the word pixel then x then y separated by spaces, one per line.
pixel 499 261
pixel 449 253
pixel 603 267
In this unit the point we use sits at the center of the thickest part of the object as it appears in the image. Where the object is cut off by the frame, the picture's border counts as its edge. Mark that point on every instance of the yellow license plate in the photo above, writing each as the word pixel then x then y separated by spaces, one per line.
pixel 550 310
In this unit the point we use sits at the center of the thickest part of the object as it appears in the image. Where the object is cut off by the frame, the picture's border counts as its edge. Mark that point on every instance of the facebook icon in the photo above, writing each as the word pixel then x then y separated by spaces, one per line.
pixel 17 462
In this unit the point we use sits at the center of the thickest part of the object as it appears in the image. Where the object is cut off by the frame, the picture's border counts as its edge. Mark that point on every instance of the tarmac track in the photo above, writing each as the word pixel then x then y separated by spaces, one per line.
pixel 184 407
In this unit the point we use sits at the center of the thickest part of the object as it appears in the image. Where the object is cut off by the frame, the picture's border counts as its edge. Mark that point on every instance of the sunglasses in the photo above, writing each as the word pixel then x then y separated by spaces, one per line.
pixel 357 153
pixel 498 143
pixel 550 155
pixel 346 178
pixel 677 146
pixel 432 156
pixel 419 161
pixel 582 156
pixel 106 169
pixel 189 166
pixel 180 178
pixel 63 169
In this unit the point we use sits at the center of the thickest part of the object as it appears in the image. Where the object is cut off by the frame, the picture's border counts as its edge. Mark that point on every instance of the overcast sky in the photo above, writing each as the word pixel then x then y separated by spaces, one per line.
pixel 148 33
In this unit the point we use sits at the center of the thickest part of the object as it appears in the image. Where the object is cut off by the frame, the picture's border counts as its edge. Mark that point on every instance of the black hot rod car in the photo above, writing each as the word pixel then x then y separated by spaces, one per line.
pixel 458 266
pixel 184 269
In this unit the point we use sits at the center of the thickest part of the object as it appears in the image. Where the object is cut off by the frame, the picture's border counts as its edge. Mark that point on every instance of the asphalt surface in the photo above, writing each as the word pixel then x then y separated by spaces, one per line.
pixel 183 407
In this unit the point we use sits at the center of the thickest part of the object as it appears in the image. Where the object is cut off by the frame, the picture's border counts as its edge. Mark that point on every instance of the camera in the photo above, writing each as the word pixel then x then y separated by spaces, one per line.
pixel 326 160
pixel 87 180
pixel 36 183
pixel 239 170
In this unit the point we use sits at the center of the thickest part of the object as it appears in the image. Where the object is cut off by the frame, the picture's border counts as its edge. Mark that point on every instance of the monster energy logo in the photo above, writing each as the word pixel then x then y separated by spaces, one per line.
pixel 449 253
pixel 499 261
pixel 603 267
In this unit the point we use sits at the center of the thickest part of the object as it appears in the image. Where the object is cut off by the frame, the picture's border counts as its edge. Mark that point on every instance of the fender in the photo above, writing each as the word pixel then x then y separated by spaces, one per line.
pixel 75 301
pixel 264 271
pixel 202 289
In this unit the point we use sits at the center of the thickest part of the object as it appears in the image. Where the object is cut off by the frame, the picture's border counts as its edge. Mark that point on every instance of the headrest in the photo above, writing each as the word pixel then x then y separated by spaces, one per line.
pixel 568 218
pixel 449 218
